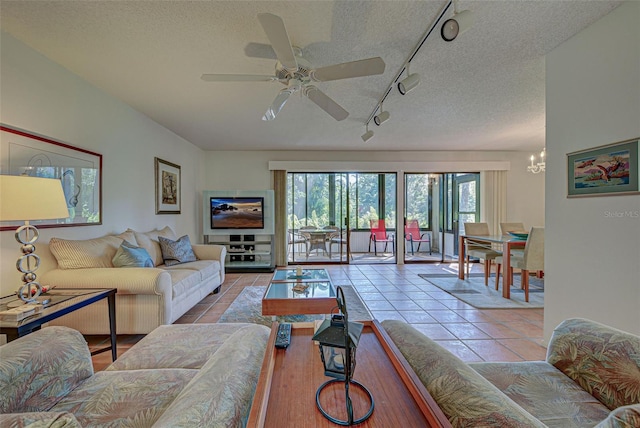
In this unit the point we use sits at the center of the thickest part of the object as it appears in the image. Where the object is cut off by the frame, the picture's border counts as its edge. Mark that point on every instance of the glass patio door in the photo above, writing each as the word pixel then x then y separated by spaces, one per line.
pixel 423 237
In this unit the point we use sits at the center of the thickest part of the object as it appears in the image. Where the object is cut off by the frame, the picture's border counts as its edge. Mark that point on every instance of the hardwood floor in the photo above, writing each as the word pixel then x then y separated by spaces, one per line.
pixel 397 292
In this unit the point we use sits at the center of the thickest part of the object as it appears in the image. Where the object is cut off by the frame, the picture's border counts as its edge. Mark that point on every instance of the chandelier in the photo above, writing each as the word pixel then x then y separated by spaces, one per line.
pixel 539 166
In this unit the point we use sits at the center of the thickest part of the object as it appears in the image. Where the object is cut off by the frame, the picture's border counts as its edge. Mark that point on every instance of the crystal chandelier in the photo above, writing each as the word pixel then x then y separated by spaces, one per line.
pixel 537 167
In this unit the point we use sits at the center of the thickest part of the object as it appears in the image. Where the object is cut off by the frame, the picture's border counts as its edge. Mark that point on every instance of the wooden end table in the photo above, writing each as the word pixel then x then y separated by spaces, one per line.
pixel 289 379
pixel 63 301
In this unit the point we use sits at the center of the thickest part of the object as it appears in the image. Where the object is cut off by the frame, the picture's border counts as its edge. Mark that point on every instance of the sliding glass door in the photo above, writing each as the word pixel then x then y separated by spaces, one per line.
pixel 329 217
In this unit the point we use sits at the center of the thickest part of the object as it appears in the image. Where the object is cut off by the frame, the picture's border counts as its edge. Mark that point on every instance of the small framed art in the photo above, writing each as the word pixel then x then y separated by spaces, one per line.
pixel 602 171
pixel 168 184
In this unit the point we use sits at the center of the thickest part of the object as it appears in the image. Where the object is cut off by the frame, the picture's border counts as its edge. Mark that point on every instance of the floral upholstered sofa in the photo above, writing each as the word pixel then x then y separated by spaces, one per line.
pixel 151 292
pixel 196 375
pixel 591 378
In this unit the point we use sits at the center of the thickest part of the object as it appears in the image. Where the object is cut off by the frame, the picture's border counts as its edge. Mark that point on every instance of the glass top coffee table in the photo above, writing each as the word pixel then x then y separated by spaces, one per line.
pixel 292 294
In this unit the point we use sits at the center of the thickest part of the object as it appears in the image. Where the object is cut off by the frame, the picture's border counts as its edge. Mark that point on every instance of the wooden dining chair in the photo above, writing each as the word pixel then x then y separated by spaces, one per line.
pixel 532 260
pixel 481 252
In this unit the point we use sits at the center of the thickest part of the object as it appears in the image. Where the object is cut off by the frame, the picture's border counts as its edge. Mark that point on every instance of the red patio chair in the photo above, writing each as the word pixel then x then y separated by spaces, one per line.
pixel 412 234
pixel 379 234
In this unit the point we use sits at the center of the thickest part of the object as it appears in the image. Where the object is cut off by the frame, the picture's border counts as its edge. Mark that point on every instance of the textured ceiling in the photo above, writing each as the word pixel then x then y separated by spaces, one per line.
pixel 483 91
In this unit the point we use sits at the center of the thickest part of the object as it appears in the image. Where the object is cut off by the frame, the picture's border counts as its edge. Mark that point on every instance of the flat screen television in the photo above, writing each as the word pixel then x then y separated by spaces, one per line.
pixel 237 212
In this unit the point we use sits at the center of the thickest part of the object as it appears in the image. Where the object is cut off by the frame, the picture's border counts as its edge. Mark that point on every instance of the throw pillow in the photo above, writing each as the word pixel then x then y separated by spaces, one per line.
pixel 176 252
pixel 128 255
pixel 149 241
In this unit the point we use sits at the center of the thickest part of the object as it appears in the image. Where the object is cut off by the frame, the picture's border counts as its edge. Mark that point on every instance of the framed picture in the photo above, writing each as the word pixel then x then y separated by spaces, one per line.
pixel 168 183
pixel 605 170
pixel 80 171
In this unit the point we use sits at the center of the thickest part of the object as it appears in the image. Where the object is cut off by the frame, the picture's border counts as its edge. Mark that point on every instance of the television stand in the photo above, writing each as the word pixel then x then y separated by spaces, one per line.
pixel 246 253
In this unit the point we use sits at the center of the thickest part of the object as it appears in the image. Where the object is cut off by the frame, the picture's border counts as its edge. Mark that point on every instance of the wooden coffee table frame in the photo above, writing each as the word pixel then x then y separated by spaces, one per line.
pixel 297 306
pixel 285 394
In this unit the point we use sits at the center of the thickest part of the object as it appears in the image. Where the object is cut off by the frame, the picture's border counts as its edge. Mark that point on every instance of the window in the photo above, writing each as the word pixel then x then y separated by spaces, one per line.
pixel 320 199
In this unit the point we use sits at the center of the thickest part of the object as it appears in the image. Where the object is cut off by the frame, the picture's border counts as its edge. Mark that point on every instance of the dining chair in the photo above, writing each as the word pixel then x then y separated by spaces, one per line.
pixel 532 259
pixel 296 238
pixel 306 232
pixel 412 234
pixel 379 234
pixel 340 237
pixel 505 228
pixel 479 251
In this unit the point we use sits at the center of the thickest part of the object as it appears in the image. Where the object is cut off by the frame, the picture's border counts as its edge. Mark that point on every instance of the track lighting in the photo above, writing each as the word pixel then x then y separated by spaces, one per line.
pixel 367 135
pixel 408 83
pixel 458 24
pixel 381 117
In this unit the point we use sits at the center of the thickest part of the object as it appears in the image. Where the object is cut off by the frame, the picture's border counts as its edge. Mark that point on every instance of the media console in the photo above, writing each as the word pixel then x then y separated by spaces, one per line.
pixel 246 253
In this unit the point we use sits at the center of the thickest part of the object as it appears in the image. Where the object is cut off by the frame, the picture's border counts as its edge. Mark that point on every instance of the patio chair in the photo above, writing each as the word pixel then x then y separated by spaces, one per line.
pixel 480 251
pixel 296 238
pixel 340 237
pixel 531 260
pixel 379 234
pixel 412 234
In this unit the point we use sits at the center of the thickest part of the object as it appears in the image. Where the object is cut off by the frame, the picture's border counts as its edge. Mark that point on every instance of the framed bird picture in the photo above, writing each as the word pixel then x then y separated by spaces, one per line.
pixel 605 170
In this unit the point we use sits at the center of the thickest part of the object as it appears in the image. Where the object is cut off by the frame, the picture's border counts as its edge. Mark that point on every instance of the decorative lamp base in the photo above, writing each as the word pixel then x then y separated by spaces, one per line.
pixel 350 421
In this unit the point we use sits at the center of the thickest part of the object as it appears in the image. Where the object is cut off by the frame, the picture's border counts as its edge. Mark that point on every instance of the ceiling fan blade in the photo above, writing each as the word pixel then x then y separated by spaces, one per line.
pixel 277 104
pixel 259 50
pixel 325 103
pixel 237 78
pixel 364 67
pixel 277 34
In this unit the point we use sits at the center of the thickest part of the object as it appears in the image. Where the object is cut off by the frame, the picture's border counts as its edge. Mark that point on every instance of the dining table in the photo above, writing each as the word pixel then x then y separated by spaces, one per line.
pixel 507 242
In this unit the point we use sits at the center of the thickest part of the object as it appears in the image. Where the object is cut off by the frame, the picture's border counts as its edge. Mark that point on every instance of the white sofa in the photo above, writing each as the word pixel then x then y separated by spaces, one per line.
pixel 147 296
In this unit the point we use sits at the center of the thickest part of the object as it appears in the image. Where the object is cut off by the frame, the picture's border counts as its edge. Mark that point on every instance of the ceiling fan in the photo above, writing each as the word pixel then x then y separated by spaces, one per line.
pixel 297 74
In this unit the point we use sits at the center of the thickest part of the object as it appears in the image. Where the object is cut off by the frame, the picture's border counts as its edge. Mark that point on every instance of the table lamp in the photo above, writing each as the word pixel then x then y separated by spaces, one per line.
pixel 24 198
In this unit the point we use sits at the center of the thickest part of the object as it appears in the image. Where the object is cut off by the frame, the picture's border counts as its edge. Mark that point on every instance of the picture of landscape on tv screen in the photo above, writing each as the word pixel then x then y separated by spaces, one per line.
pixel 237 213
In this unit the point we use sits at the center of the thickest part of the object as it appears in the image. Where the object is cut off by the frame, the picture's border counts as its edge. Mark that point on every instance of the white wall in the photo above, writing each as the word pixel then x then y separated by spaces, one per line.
pixel 249 170
pixel 41 97
pixel 592 257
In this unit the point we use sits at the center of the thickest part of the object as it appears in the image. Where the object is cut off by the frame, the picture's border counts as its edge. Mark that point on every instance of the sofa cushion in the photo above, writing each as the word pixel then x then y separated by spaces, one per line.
pixel 228 381
pixel 545 392
pixel 603 360
pixel 134 398
pixel 205 268
pixel 149 241
pixel 176 252
pixel 465 397
pixel 39 420
pixel 128 255
pixel 38 370
pixel 87 253
pixel 622 417
pixel 186 346
pixel 183 281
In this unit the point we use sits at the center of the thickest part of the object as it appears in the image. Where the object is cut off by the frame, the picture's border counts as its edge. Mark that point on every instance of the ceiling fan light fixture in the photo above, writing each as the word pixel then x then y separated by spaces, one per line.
pixel 408 83
pixel 381 118
pixel 456 25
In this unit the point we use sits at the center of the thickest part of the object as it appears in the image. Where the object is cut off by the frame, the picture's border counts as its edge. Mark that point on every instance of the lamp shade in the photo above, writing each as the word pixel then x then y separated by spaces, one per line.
pixel 31 198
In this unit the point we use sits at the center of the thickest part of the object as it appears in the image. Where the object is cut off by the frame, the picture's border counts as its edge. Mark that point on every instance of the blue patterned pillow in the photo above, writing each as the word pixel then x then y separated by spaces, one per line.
pixel 128 255
pixel 176 252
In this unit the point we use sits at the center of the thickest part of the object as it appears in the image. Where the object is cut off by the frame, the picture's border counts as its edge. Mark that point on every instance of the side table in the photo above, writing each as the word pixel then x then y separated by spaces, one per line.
pixel 63 301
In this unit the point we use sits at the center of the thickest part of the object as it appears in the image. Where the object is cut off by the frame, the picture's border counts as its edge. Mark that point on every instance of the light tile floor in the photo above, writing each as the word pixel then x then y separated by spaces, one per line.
pixel 397 292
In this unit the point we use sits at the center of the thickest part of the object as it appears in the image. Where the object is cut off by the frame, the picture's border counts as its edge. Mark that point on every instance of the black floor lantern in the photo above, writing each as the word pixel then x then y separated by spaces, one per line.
pixel 338 340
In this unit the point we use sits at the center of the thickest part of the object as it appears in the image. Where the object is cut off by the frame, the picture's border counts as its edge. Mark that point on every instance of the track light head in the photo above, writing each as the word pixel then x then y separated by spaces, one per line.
pixel 367 135
pixel 457 24
pixel 381 118
pixel 408 83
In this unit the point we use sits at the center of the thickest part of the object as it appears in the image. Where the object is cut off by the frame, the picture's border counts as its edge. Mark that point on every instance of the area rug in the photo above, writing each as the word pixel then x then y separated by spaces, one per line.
pixel 247 307
pixel 473 291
